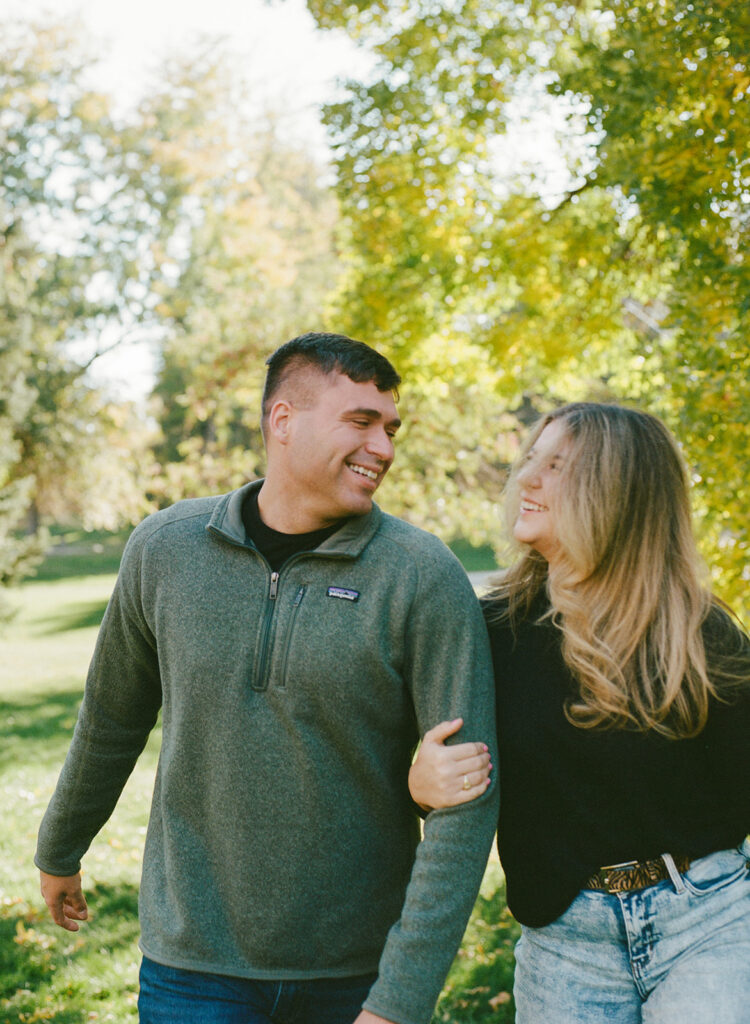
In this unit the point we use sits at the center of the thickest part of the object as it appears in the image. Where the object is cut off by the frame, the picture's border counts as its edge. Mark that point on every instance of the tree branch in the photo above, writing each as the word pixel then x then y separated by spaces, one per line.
pixel 123 340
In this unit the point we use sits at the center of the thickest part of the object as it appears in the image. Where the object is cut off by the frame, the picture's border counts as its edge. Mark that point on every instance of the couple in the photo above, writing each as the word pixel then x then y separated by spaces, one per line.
pixel 298 642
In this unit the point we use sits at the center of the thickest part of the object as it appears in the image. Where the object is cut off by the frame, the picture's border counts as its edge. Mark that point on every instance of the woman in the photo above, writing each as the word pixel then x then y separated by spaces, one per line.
pixel 623 711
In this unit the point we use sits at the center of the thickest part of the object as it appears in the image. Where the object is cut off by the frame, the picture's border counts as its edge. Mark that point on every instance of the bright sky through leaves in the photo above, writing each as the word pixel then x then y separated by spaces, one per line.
pixel 291 65
pixel 288 59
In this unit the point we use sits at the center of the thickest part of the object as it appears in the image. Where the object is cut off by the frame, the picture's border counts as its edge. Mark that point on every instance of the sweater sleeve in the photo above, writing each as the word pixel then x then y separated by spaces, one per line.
pixel 450 675
pixel 120 707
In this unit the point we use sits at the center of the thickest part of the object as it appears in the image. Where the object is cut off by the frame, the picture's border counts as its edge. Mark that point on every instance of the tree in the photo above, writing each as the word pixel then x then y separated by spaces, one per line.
pixel 72 231
pixel 630 282
pixel 17 552
pixel 184 222
pixel 667 86
pixel 250 265
pixel 451 256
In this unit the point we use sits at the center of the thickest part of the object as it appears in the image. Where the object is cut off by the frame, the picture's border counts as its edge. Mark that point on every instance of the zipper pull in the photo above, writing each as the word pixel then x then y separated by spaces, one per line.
pixel 274 586
pixel 298 598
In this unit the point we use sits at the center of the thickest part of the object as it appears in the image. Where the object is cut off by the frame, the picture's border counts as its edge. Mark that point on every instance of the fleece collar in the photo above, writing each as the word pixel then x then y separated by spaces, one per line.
pixel 353 537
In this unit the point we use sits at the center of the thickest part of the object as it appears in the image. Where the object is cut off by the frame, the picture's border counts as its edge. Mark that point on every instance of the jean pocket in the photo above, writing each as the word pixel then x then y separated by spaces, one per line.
pixel 717 871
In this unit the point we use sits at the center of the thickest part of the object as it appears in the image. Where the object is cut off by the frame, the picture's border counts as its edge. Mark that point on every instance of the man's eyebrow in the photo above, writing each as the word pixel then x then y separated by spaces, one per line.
pixel 372 414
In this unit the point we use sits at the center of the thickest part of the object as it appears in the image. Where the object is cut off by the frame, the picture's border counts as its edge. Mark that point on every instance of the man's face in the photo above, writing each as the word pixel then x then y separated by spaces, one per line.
pixel 339 448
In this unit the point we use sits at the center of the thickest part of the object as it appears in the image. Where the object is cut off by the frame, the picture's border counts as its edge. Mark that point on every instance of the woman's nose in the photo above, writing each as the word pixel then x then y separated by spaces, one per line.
pixel 529 475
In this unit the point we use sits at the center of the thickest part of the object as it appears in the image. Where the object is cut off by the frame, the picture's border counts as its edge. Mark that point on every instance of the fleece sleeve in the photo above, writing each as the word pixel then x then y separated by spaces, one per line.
pixel 120 707
pixel 450 674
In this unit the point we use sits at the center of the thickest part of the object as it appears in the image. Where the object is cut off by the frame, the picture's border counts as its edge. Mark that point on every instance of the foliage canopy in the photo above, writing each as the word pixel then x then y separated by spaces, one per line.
pixel 499 285
pixel 628 281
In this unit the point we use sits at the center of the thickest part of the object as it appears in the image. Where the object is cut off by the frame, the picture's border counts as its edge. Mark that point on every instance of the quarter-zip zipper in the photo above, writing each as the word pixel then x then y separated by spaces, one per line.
pixel 259 682
pixel 260 679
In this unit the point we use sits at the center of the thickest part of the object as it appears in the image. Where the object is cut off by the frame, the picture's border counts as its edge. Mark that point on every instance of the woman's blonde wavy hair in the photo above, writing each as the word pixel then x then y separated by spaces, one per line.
pixel 627 592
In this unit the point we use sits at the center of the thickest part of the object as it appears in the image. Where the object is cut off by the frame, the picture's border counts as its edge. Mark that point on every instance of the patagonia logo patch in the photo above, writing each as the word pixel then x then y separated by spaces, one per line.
pixel 347 595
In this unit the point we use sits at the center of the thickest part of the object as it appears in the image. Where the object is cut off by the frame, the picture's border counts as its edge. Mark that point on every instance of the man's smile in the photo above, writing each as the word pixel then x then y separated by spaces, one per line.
pixel 371 474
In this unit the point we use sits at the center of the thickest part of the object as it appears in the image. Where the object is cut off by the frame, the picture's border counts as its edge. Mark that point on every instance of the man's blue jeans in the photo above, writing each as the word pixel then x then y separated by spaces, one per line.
pixel 174 996
pixel 677 952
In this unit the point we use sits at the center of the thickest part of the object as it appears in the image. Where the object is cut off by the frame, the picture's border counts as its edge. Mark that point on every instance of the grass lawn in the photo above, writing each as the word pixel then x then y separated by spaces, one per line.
pixel 47 974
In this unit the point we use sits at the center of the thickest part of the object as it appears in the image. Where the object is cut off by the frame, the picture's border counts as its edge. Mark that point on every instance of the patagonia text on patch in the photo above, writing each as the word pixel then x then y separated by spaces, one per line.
pixel 347 595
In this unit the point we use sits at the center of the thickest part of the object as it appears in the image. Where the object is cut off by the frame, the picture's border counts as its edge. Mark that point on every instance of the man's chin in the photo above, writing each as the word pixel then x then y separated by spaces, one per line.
pixel 350 506
pixel 360 505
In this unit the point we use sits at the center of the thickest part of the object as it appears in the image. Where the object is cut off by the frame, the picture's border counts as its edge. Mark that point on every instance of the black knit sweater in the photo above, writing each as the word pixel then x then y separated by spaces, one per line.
pixel 575 799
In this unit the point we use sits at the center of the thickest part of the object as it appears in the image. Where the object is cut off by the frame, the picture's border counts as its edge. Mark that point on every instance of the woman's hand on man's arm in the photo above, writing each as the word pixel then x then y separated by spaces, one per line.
pixel 443 776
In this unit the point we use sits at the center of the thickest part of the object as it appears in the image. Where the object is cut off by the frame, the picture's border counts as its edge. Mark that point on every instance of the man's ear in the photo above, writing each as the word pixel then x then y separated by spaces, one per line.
pixel 279 420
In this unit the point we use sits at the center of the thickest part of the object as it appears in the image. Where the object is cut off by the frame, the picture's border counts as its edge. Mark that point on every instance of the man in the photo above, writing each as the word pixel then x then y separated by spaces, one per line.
pixel 298 641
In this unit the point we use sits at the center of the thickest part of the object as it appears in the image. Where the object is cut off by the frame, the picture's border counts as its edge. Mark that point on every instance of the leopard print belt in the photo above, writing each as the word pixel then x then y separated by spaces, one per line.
pixel 634 874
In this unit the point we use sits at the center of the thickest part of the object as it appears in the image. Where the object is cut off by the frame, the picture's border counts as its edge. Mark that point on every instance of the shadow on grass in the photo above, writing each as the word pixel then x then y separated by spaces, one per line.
pixel 80 615
pixel 66 566
pixel 78 553
pixel 480 984
pixel 37 729
pixel 67 973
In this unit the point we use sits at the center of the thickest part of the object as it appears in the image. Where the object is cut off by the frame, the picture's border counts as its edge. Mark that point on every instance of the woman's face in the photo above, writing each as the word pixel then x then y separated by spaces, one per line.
pixel 539 486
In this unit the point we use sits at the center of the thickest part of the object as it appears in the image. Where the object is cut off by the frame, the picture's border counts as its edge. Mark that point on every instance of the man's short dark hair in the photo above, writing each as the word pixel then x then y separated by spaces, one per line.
pixel 328 353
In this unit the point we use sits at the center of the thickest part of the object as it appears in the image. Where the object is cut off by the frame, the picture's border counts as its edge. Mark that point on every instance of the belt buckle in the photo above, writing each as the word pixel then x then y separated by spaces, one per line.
pixel 615 887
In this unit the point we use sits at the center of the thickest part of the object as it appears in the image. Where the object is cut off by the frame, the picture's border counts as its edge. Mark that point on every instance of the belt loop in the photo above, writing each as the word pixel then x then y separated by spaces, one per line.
pixel 674 874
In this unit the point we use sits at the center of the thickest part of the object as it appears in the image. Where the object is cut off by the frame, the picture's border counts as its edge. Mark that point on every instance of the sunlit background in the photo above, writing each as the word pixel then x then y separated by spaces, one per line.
pixel 521 203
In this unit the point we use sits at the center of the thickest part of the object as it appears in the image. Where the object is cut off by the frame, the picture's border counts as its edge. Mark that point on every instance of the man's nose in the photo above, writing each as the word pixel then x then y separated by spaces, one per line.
pixel 380 445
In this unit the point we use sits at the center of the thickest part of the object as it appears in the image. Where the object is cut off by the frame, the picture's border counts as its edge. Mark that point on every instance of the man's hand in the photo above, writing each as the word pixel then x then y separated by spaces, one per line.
pixel 65 899
pixel 366 1017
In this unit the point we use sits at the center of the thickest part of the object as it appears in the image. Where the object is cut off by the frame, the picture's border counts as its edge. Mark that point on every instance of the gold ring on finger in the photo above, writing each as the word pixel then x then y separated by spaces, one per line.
pixel 467 784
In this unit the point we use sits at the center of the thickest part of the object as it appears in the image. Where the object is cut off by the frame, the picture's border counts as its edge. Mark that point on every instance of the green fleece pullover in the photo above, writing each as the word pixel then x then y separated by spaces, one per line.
pixel 282 841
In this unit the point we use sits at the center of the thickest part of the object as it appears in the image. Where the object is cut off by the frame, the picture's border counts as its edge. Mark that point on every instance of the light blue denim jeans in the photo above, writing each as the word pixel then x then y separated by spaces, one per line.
pixel 677 952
